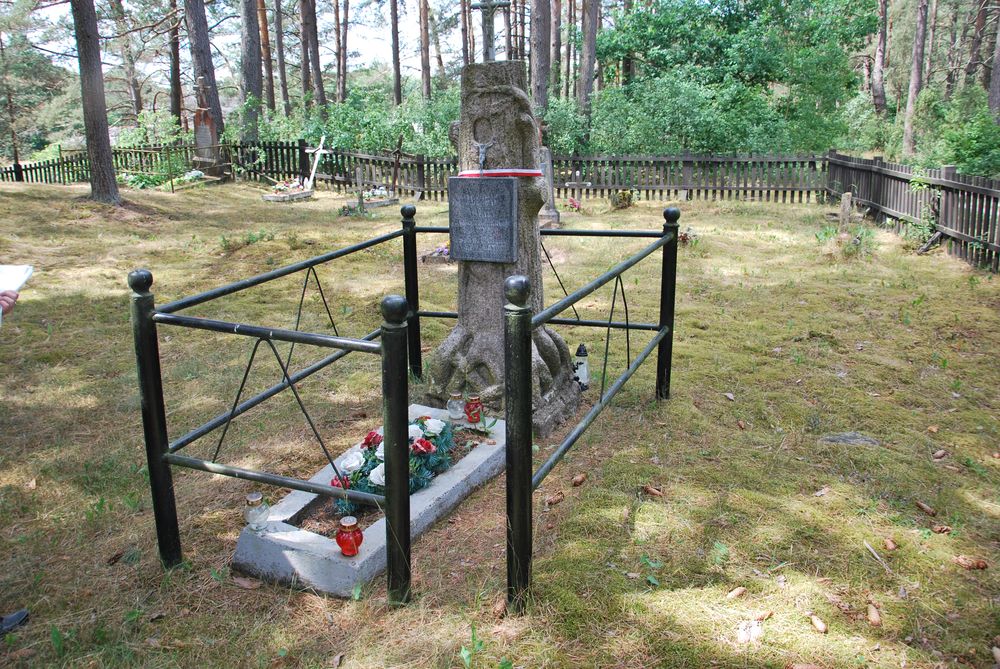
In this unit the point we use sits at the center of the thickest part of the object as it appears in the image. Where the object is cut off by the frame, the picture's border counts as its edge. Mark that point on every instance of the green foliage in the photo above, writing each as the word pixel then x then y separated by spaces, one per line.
pixel 153 127
pixel 230 244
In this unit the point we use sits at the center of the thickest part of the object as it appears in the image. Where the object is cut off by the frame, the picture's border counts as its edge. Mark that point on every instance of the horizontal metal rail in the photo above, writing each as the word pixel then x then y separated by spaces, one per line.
pixel 270 334
pixel 546 315
pixel 273 479
pixel 560 232
pixel 231 288
pixel 616 325
pixel 595 411
pixel 250 403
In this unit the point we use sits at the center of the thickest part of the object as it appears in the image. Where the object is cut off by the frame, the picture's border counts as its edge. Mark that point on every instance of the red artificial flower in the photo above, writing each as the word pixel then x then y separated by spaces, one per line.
pixel 372 439
pixel 337 483
pixel 423 446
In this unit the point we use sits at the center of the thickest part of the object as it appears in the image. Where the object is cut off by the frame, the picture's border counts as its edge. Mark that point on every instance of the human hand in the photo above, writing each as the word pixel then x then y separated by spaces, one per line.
pixel 7 300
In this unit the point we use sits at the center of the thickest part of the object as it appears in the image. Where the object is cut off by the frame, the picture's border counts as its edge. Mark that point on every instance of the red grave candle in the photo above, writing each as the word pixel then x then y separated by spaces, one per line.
pixel 473 409
pixel 349 536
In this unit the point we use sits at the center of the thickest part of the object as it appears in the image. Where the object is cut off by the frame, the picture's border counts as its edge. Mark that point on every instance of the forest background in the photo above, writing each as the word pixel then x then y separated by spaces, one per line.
pixel 912 80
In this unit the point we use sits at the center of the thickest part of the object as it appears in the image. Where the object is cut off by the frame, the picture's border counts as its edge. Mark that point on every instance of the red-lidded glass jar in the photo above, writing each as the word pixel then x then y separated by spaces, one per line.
pixel 473 409
pixel 349 536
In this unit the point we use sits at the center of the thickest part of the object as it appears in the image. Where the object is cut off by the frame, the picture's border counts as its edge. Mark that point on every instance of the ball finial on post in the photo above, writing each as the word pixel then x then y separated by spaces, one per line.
pixel 140 280
pixel 394 309
pixel 408 211
pixel 671 215
pixel 516 289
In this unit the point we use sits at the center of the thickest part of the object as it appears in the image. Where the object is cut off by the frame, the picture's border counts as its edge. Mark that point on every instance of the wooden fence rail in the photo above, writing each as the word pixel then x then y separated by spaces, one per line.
pixel 965 210
pixel 765 178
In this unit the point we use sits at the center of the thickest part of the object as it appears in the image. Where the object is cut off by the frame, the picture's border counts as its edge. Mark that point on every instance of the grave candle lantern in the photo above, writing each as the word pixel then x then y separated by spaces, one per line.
pixel 349 536
pixel 256 511
pixel 581 371
pixel 456 408
pixel 474 409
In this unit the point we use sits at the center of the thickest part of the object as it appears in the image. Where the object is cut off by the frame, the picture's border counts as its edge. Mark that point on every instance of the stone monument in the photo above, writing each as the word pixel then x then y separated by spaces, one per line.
pixel 548 217
pixel 207 155
pixel 497 134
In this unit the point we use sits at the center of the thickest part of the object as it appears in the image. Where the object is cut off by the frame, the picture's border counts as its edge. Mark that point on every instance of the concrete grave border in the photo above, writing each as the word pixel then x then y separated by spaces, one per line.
pixel 285 554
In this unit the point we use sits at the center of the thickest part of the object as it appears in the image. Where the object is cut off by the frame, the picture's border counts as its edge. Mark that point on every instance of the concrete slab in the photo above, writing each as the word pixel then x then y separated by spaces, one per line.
pixel 283 553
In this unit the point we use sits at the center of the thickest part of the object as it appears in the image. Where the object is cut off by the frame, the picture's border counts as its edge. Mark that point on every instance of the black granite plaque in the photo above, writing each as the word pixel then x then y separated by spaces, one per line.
pixel 482 215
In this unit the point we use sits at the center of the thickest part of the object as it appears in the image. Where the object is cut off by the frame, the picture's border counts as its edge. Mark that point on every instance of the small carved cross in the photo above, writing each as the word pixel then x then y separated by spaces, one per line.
pixel 487 7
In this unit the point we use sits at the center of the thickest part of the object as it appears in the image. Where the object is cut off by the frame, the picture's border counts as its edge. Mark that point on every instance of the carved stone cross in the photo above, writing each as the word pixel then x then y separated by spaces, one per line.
pixel 487 7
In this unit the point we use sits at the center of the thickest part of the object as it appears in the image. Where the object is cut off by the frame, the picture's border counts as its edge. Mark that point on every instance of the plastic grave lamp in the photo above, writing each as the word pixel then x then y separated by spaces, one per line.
pixel 580 367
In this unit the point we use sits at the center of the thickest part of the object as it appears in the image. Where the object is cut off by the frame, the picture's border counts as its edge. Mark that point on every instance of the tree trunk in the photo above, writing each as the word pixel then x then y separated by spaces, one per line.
pixel 337 47
pixel 931 31
pixel 129 69
pixel 541 42
pixel 319 90
pixel 954 47
pixel 176 92
pixel 995 77
pixel 342 90
pixel 989 65
pixel 251 84
pixel 975 46
pixel 508 28
pixel 570 27
pixel 265 54
pixel 397 77
pixel 555 56
pixel 916 78
pixel 103 186
pixel 11 114
pixel 436 40
pixel 425 49
pixel 279 45
pixel 522 44
pixel 588 55
pixel 628 63
pixel 878 67
pixel 304 69
pixel 201 57
pixel 463 9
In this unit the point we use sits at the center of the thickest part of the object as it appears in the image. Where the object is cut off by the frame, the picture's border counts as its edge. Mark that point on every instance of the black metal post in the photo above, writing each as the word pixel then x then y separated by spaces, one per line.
pixel 395 424
pixel 668 289
pixel 412 288
pixel 517 382
pixel 154 420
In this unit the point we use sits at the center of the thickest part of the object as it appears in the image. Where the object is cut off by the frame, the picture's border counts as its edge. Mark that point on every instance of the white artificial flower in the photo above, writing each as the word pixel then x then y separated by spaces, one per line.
pixel 416 432
pixel 377 475
pixel 433 426
pixel 380 451
pixel 352 462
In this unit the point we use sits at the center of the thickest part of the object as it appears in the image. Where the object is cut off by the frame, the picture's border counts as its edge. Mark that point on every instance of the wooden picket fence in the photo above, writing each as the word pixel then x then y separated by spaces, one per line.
pixel 763 178
pixel 964 210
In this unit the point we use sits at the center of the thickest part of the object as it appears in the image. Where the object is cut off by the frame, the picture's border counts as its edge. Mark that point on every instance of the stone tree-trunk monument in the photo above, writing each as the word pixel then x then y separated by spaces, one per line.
pixel 497 134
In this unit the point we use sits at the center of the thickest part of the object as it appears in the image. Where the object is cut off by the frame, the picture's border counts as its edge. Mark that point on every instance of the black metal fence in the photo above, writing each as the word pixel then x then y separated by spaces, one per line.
pixel 400 351
pixel 394 334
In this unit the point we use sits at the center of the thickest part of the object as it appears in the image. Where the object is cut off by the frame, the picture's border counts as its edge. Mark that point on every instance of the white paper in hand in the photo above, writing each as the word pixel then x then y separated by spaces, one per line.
pixel 13 277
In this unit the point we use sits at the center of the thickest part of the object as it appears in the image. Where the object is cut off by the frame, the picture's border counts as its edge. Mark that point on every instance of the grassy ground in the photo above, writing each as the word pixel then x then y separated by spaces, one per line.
pixel 899 347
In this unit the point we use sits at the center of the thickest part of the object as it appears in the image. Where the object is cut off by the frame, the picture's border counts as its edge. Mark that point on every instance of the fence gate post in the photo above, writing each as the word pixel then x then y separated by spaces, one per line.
pixel 517 392
pixel 395 425
pixel 412 288
pixel 303 161
pixel 668 289
pixel 154 421
pixel 421 176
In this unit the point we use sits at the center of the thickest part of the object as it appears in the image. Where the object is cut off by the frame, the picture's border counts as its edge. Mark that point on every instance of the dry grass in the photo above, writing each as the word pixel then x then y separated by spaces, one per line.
pixel 807 345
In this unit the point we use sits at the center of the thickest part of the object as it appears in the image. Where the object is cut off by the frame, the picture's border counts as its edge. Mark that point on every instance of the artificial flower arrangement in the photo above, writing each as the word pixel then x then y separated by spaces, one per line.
pixel 431 443
pixel 287 185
